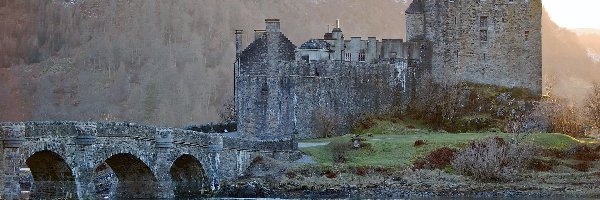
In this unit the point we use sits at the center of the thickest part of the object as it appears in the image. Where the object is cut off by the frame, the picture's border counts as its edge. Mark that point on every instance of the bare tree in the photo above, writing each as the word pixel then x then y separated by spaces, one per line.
pixel 592 106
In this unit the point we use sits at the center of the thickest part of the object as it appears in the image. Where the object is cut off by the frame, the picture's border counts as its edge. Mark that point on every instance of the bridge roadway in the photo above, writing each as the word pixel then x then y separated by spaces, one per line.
pixel 149 162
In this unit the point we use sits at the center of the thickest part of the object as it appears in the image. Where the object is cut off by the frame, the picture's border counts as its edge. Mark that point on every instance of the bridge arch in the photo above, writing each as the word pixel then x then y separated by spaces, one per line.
pixel 52 175
pixel 189 177
pixel 135 177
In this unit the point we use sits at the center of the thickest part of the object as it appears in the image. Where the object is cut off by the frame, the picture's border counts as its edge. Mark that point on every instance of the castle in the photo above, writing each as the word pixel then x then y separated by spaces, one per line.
pixel 320 87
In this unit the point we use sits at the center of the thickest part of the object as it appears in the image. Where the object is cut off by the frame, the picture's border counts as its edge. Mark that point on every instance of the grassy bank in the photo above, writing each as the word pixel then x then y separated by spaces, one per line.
pixel 392 144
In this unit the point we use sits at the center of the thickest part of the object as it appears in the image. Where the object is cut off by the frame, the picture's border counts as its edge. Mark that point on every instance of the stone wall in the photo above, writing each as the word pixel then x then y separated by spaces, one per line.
pixel 83 146
pixel 310 98
pixel 487 42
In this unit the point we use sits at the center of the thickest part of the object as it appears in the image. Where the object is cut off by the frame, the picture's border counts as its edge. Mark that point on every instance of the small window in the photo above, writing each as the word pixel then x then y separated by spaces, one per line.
pixel 483 21
pixel 361 57
pixel 483 35
pixel 393 55
pixel 348 57
pixel 305 58
pixel 526 35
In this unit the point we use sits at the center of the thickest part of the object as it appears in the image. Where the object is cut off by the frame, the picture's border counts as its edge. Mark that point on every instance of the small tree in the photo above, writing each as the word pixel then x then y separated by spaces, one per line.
pixel 592 106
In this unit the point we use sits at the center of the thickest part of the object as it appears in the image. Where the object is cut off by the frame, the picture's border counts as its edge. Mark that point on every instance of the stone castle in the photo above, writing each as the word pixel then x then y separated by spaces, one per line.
pixel 320 87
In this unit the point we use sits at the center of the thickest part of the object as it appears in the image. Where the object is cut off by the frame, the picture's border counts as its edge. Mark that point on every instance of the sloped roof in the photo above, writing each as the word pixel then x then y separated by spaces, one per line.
pixel 314 44
pixel 257 50
pixel 415 7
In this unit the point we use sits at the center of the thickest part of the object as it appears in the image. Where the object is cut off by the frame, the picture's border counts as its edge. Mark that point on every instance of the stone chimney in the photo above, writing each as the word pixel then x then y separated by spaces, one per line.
pixel 273 25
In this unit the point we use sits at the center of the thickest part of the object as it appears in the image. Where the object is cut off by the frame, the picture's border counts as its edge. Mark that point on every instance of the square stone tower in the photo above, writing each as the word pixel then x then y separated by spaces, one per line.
pixel 496 42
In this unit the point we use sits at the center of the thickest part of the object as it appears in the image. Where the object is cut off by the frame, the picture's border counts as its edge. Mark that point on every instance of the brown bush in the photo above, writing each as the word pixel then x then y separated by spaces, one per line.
pixel 364 124
pixel 582 166
pixel 419 143
pixel 540 165
pixel 597 174
pixel 597 149
pixel 411 127
pixel 584 153
pixel 437 159
pixel 554 153
pixel 361 171
pixel 493 160
pixel 330 174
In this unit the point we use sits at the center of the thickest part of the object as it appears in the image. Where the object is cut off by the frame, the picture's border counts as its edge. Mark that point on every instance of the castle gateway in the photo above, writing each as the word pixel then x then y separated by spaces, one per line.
pixel 320 87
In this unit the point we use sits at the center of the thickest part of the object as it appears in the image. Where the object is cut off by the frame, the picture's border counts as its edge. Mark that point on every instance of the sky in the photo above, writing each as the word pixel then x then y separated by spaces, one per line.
pixel 573 14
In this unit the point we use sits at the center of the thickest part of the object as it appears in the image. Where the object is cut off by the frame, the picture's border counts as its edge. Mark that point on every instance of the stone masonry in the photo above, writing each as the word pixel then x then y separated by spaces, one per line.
pixel 149 162
pixel 321 87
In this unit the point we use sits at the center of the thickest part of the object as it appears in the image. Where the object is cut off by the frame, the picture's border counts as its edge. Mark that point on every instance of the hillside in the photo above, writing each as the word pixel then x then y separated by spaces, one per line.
pixel 159 62
pixel 170 62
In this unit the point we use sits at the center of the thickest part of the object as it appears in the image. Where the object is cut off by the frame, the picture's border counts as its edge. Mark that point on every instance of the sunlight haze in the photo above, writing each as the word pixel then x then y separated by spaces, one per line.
pixel 574 14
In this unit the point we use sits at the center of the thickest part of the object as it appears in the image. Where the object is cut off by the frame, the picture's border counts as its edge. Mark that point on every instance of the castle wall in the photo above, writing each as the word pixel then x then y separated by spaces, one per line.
pixel 312 98
pixel 487 42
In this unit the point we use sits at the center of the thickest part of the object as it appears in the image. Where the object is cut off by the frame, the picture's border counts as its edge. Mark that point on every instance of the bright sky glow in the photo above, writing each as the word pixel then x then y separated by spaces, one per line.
pixel 574 14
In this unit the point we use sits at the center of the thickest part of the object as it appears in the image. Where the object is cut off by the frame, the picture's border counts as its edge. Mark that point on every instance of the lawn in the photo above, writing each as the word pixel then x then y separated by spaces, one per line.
pixel 393 144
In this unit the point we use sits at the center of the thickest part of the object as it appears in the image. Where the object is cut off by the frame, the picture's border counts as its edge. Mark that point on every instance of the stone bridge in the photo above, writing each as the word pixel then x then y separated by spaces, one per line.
pixel 65 159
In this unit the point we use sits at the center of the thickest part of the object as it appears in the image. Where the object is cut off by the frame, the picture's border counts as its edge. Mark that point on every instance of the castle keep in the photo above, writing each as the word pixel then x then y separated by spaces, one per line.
pixel 321 86
pixel 494 42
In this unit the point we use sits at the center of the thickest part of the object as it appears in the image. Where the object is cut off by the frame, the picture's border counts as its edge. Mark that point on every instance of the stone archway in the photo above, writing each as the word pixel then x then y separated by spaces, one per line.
pixel 189 177
pixel 52 176
pixel 135 178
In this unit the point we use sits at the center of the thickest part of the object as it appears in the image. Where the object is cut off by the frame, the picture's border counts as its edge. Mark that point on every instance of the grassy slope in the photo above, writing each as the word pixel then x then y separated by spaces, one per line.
pixel 393 144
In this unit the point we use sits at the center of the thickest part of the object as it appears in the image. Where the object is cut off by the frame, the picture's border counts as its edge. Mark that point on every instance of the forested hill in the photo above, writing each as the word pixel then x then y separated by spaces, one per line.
pixel 170 62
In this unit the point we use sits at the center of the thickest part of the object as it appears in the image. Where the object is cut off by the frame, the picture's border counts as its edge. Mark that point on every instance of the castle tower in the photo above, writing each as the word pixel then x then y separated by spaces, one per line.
pixel 263 95
pixel 415 20
pixel 485 42
pixel 338 46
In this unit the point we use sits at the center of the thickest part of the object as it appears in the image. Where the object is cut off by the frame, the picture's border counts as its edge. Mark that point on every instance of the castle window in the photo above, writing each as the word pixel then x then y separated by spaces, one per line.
pixel 526 35
pixel 361 57
pixel 483 35
pixel 483 21
pixel 348 57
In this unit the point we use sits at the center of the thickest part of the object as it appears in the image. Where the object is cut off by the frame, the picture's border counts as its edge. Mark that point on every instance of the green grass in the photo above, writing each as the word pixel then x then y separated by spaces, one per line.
pixel 393 144
pixel 394 150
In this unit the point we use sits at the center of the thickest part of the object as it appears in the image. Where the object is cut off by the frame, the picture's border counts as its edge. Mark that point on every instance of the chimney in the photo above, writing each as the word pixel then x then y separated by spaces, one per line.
pixel 337 23
pixel 238 42
pixel 273 25
pixel 258 34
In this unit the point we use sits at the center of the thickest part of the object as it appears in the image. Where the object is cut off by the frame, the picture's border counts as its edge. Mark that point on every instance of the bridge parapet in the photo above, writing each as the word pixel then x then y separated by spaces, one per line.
pixel 12 135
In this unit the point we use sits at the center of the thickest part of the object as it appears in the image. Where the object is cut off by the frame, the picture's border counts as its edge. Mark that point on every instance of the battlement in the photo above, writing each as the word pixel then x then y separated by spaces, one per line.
pixel 318 88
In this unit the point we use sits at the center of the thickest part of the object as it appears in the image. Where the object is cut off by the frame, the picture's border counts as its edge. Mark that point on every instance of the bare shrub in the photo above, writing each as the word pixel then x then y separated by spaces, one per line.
pixel 541 165
pixel 584 153
pixel 592 106
pixel 437 159
pixel 493 159
pixel 562 116
pixel 434 103
pixel 227 112
pixel 419 143
pixel 582 166
pixel 339 151
pixel 327 124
